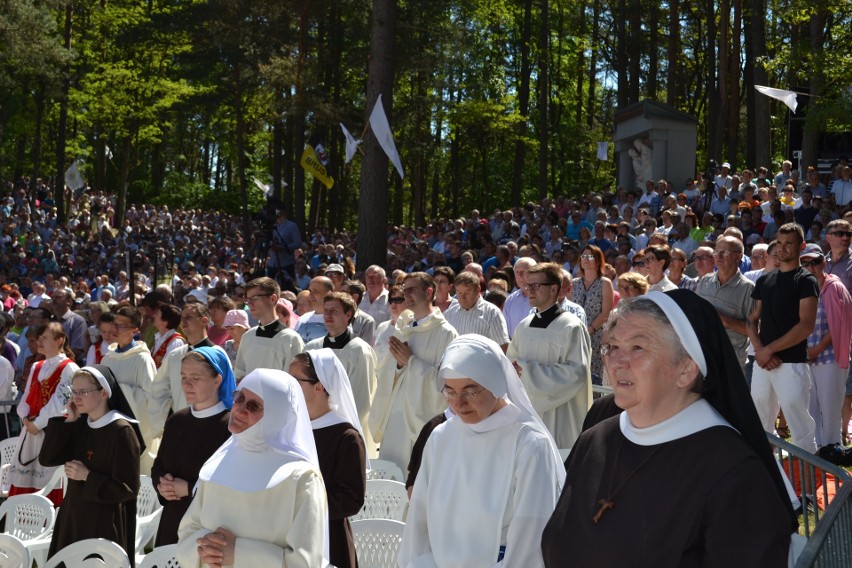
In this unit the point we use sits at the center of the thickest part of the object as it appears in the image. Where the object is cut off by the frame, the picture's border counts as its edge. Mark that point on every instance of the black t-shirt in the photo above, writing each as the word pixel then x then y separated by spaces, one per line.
pixel 780 293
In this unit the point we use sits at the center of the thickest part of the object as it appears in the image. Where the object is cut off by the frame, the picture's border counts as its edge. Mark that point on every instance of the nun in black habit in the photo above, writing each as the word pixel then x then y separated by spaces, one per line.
pixel 685 476
pixel 99 444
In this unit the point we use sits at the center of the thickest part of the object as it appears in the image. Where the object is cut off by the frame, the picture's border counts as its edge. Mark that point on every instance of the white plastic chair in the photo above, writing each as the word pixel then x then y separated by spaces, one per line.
pixel 28 517
pixel 58 479
pixel 8 447
pixel 148 512
pixel 377 542
pixel 91 553
pixel 160 557
pixel 384 499
pixel 384 469
pixel 13 553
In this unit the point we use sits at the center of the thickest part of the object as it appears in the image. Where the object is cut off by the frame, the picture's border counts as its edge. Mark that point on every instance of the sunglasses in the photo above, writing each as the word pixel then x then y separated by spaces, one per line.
pixel 841 233
pixel 396 300
pixel 816 261
pixel 639 263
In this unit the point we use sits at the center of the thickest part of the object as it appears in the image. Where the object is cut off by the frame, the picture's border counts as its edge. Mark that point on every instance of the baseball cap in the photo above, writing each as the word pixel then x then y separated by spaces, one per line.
pixel 811 249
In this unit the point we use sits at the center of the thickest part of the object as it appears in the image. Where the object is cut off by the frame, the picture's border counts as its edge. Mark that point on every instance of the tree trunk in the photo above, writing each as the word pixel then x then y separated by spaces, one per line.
pixel 713 124
pixel 757 146
pixel 523 106
pixel 123 180
pixel 372 211
pixel 733 128
pixel 621 60
pixel 39 120
pixel 593 63
pixel 672 82
pixel 240 133
pixel 543 98
pixel 59 183
pixel 813 127
pixel 653 50
pixel 635 51
pixel 277 149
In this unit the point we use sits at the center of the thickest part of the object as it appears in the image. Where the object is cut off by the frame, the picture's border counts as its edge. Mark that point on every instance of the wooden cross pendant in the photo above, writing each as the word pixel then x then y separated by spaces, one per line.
pixel 604 506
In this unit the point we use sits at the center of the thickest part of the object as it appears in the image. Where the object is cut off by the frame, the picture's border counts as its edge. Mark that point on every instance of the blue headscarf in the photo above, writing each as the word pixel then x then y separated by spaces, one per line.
pixel 219 359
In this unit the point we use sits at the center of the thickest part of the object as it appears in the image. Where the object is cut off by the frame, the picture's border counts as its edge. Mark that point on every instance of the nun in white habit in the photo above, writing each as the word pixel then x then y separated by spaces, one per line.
pixel 260 499
pixel 491 474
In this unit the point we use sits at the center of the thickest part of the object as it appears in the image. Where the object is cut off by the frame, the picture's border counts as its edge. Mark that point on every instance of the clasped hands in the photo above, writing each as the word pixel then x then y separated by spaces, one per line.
pixel 172 488
pixel 217 548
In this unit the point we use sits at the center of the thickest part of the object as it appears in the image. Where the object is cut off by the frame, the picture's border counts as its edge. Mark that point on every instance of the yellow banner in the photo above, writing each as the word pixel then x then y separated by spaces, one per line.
pixel 313 166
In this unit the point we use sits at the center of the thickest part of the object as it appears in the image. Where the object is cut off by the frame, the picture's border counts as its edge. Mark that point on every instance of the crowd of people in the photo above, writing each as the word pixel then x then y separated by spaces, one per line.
pixel 477 332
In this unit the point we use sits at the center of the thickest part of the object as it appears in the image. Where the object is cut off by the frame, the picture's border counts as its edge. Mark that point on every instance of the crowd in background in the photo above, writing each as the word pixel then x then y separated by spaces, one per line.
pixel 611 244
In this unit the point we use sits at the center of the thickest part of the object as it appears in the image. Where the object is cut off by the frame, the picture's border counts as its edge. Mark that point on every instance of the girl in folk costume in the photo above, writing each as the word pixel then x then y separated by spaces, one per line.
pixel 167 339
pixel 45 396
pixel 98 444
pixel 106 327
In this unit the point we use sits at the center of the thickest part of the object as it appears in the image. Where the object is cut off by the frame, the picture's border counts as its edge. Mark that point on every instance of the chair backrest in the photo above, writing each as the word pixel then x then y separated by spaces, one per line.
pixel 384 469
pixel 162 557
pixel 384 499
pixel 58 479
pixel 28 517
pixel 7 454
pixel 14 553
pixel 146 529
pixel 7 450
pixel 377 542
pixel 91 553
pixel 146 501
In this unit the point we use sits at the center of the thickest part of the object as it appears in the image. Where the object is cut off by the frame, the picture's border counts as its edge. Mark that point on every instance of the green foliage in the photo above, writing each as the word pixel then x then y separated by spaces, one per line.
pixel 187 93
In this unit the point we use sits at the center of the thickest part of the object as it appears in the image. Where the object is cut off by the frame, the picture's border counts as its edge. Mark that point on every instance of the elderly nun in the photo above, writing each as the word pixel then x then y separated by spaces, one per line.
pixel 260 499
pixel 490 475
pixel 684 476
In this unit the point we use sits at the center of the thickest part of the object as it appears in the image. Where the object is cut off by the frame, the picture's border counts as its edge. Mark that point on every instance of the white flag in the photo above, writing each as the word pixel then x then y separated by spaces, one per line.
pixel 73 179
pixel 786 97
pixel 262 186
pixel 381 128
pixel 351 144
pixel 603 149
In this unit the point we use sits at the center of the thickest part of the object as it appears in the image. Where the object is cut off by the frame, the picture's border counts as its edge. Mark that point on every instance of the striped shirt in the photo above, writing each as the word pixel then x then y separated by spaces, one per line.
pixel 484 318
pixel 820 329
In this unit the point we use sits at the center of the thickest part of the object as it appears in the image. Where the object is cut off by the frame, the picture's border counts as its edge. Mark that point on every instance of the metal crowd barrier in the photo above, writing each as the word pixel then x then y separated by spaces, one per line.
pixel 830 534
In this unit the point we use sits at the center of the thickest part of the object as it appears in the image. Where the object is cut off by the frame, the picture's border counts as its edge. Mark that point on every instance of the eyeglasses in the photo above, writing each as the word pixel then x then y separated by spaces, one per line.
pixel 253 299
pixel 396 300
pixel 639 264
pixel 846 234
pixel 723 253
pixel 309 381
pixel 534 286
pixel 463 395
pixel 703 258
pixel 587 256
pixel 251 406
pixel 816 261
pixel 123 326
pixel 83 393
